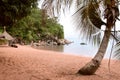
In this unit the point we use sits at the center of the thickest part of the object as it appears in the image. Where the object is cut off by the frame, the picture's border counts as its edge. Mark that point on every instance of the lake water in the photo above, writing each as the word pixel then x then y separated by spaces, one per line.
pixel 76 48
pixel 85 50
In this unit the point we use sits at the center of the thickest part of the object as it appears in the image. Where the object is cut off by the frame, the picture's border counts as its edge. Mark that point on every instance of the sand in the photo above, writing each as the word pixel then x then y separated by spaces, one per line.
pixel 26 63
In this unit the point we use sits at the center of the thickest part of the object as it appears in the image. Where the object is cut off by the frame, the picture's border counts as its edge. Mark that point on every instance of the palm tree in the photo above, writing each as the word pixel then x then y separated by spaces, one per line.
pixel 89 21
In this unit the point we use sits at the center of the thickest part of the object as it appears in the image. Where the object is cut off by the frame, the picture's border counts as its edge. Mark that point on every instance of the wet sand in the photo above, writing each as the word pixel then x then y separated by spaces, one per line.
pixel 26 63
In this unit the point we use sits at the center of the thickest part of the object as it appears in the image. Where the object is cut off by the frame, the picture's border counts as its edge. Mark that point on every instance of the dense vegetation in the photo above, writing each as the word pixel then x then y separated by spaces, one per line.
pixel 13 10
pixel 36 26
pixel 25 21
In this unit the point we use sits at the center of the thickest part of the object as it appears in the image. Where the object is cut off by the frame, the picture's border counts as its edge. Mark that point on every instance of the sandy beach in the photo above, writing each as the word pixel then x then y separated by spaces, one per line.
pixel 26 63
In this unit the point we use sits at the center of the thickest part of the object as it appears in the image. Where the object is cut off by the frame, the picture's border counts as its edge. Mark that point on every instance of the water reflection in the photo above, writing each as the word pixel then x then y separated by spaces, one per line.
pixel 76 49
pixel 82 50
pixel 73 48
pixel 52 47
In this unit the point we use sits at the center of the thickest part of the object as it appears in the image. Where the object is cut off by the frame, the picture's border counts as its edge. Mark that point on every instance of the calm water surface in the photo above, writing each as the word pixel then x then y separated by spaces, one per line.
pixel 76 48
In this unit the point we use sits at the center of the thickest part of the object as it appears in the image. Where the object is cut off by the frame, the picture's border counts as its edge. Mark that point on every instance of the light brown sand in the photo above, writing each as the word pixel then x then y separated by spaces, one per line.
pixel 26 63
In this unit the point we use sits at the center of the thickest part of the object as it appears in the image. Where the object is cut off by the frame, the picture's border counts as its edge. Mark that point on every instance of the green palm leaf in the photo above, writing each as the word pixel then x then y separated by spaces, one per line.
pixel 88 21
pixel 87 17
pixel 54 7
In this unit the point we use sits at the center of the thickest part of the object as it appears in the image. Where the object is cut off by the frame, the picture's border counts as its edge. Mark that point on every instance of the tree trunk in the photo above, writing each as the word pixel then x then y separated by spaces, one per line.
pixel 91 67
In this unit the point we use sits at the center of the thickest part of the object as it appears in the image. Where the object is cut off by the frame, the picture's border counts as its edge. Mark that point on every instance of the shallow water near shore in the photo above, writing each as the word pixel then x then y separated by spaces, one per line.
pixel 76 48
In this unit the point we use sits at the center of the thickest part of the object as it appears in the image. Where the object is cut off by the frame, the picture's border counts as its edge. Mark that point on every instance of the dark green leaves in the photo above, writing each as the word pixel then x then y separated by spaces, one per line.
pixel 32 28
pixel 13 10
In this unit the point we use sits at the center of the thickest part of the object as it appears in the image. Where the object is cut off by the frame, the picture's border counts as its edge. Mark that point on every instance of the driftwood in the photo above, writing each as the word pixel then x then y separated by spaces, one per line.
pixel 12 44
pixel 15 46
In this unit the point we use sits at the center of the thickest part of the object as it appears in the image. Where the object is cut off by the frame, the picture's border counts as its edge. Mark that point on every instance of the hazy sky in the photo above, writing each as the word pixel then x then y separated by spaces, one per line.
pixel 69 29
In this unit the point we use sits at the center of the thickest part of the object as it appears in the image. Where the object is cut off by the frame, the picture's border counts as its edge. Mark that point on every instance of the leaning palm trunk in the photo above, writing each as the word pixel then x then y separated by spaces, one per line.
pixel 89 18
pixel 91 67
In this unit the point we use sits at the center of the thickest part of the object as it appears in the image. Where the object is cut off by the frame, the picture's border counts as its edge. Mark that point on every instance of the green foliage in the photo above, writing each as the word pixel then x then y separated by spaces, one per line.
pixel 31 28
pixel 14 10
pixel 3 41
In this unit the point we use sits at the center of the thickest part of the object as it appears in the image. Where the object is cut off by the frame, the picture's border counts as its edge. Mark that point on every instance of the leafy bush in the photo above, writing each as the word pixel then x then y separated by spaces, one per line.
pixel 36 26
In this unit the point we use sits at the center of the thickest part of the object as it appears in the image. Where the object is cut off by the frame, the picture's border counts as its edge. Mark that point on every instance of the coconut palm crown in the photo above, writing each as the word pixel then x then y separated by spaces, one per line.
pixel 89 18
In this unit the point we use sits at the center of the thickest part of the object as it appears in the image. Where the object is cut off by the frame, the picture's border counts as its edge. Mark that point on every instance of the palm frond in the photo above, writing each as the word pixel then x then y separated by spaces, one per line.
pixel 87 16
pixel 88 21
pixel 117 51
pixel 54 7
pixel 117 46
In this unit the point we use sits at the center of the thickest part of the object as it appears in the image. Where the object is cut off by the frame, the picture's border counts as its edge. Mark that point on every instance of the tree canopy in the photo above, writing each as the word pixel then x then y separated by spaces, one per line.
pixel 22 18
pixel 36 27
pixel 13 10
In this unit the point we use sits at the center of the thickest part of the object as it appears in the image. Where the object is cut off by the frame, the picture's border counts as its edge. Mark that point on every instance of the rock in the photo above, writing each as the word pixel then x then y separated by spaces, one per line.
pixel 68 42
pixel 61 41
pixel 83 44
pixel 54 43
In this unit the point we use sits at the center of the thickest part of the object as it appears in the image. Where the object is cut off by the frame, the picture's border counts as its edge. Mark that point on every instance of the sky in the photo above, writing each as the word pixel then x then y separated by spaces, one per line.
pixel 69 29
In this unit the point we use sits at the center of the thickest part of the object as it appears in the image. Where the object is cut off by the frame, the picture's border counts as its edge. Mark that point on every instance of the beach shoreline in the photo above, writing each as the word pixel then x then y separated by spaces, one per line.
pixel 27 63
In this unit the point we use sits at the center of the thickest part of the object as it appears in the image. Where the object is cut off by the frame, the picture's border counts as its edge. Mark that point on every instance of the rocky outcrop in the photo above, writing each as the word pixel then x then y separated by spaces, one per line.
pixel 64 41
pixel 51 42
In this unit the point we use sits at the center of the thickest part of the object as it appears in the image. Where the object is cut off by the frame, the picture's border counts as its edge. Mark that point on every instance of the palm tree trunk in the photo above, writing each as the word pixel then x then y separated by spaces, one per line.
pixel 91 67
